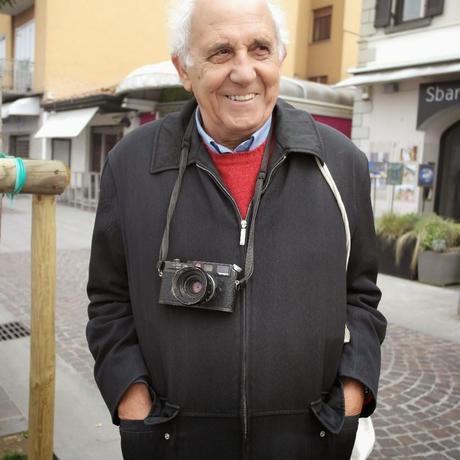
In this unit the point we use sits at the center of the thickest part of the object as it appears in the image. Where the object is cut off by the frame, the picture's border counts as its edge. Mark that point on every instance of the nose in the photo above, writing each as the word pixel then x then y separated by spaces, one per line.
pixel 243 72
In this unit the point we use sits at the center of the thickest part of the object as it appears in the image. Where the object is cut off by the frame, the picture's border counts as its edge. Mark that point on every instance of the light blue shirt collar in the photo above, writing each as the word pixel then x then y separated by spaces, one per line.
pixel 256 140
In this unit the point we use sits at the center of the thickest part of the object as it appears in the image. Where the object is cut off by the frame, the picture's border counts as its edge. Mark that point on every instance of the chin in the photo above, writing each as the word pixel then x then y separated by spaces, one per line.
pixel 246 126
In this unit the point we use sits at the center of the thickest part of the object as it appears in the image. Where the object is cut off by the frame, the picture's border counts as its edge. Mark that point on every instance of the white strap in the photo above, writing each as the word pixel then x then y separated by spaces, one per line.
pixel 365 436
pixel 330 180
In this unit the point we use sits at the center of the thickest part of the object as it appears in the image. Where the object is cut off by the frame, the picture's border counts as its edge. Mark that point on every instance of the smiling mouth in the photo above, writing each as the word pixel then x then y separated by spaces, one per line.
pixel 242 98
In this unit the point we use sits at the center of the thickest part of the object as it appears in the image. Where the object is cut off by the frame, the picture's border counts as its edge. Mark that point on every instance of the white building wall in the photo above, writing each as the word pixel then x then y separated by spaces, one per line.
pixel 392 136
pixel 425 44
pixel 80 151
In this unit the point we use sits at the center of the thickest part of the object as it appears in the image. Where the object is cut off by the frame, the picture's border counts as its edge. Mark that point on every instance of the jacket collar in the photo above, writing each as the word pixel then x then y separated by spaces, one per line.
pixel 295 132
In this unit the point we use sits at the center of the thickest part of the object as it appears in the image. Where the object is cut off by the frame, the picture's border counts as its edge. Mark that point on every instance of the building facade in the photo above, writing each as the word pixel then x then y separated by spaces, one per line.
pixel 407 107
pixel 323 39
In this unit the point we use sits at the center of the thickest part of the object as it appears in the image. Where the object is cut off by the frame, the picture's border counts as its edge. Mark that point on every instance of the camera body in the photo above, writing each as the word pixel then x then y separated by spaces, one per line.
pixel 196 284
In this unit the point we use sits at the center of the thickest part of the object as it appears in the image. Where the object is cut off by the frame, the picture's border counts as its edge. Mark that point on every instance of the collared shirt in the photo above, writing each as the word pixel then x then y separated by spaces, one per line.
pixel 256 140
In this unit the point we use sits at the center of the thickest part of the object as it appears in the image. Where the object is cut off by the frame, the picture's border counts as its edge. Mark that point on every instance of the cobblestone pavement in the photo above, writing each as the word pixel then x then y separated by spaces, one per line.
pixel 419 402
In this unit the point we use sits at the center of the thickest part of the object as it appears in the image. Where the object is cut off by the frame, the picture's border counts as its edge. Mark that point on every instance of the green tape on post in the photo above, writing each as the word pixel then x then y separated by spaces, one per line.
pixel 21 175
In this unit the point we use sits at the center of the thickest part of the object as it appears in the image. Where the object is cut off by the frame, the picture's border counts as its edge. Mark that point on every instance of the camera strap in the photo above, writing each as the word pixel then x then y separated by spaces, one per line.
pixel 249 262
pixel 185 148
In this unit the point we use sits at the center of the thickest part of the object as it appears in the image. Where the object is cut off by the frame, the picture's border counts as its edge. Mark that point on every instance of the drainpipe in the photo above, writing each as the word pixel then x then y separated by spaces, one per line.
pixel 44 139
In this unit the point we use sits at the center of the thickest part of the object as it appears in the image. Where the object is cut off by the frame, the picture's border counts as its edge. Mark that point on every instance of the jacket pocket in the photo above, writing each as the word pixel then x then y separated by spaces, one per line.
pixel 153 437
pixel 330 408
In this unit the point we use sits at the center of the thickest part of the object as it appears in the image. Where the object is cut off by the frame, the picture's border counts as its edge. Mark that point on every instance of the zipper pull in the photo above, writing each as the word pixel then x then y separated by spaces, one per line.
pixel 244 226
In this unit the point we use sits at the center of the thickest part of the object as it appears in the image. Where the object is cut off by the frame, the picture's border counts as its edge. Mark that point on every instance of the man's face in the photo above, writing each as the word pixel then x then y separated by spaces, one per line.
pixel 235 67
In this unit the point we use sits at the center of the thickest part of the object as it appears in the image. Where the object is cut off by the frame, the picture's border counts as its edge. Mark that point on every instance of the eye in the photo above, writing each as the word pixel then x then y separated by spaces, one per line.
pixel 262 50
pixel 221 55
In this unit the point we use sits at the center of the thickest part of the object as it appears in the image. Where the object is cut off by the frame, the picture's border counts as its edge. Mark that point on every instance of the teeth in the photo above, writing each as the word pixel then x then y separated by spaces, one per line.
pixel 246 97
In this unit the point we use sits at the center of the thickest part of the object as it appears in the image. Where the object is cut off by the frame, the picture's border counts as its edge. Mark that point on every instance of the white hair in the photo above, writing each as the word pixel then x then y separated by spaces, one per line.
pixel 180 25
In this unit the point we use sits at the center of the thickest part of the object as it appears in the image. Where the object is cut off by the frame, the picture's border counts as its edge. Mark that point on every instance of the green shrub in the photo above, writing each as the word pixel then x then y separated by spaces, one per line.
pixel 13 456
pixel 431 233
pixel 392 226
pixel 434 228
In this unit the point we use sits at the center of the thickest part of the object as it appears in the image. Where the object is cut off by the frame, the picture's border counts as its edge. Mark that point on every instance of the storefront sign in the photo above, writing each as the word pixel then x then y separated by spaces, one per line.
pixel 434 97
pixel 395 173
pixel 425 175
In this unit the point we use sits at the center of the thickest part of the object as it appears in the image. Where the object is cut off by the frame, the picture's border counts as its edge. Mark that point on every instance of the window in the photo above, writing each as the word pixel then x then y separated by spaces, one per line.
pixel 61 150
pixel 322 21
pixel 19 146
pixel 390 13
pixel 103 139
pixel 24 42
pixel 408 10
pixel 319 79
pixel 24 56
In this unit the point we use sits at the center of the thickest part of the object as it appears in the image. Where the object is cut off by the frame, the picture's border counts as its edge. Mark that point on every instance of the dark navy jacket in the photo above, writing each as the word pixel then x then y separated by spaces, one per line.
pixel 261 382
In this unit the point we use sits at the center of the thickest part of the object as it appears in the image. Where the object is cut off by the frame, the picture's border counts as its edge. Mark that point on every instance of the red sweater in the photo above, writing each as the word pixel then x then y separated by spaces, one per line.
pixel 239 173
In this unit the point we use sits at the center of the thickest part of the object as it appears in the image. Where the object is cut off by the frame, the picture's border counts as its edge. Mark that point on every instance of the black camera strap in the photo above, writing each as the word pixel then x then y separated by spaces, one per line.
pixel 249 262
pixel 185 148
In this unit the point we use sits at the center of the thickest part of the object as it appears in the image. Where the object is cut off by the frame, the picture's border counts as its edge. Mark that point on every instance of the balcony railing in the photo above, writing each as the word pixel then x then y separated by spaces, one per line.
pixel 17 75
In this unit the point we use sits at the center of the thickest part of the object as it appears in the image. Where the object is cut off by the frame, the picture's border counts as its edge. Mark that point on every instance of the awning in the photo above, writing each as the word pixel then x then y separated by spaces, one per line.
pixel 310 90
pixel 26 106
pixel 407 73
pixel 69 123
pixel 152 76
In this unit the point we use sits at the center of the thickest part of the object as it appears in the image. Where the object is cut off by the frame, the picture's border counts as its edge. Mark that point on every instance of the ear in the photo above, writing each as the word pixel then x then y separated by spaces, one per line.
pixel 284 54
pixel 183 73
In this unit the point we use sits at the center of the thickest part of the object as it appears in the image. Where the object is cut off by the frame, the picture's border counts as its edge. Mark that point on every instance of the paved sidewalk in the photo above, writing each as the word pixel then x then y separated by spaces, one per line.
pixel 419 402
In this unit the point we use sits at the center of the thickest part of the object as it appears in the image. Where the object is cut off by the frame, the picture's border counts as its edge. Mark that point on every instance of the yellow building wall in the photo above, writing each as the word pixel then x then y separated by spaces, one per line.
pixel 82 46
pixel 40 44
pixel 298 18
pixel 6 31
pixel 351 26
pixel 89 45
pixel 325 56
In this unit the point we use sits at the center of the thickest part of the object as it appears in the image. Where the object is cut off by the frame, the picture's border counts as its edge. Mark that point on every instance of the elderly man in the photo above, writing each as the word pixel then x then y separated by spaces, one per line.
pixel 232 279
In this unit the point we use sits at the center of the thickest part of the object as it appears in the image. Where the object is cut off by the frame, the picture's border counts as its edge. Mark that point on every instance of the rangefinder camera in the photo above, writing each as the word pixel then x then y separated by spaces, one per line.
pixel 195 284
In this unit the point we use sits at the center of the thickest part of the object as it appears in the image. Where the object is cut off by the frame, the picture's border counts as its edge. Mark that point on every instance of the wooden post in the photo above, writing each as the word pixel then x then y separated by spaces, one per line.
pixel 42 343
pixel 45 179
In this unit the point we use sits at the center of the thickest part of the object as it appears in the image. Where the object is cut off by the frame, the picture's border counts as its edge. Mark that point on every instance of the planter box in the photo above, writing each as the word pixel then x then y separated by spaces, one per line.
pixel 439 268
pixel 387 259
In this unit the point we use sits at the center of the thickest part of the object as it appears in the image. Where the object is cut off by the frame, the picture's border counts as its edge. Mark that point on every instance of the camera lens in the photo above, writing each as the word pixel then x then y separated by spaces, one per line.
pixel 192 285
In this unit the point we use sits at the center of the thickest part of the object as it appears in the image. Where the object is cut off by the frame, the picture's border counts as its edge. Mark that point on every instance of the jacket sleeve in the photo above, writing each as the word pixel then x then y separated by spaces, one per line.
pixel 111 332
pixel 361 356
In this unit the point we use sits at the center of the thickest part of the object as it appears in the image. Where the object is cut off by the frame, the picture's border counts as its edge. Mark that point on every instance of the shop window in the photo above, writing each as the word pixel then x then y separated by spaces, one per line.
pixel 319 79
pixel 61 150
pixel 322 22
pixel 411 13
pixel 19 146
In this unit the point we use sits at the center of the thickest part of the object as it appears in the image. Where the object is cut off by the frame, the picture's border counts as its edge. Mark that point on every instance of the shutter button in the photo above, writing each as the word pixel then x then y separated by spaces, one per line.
pixel 167 436
pixel 322 434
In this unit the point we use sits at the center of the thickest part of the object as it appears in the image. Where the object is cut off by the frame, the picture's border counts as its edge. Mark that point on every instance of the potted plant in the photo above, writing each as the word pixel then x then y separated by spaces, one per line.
pixel 395 259
pixel 436 249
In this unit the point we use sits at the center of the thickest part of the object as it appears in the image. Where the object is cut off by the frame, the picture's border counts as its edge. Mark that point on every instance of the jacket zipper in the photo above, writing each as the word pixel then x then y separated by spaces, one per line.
pixel 243 231
pixel 275 167
pixel 243 222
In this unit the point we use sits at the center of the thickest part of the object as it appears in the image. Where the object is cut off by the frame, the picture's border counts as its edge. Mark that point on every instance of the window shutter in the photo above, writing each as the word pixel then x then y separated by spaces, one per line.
pixel 382 13
pixel 434 7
